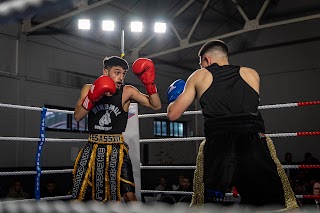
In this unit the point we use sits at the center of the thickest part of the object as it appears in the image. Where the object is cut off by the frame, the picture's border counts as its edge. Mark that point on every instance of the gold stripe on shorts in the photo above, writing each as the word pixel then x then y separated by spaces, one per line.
pixel 126 181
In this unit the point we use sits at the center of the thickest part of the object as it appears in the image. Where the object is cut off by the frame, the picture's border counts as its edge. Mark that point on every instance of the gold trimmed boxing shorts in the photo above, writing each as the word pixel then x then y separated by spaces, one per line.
pixel 103 169
pixel 235 154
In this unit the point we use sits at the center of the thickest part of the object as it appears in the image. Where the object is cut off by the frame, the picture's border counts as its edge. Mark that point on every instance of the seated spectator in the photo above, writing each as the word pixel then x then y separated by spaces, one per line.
pixel 162 184
pixel 309 159
pixel 161 187
pixel 288 161
pixel 312 205
pixel 176 185
pixel 50 189
pixel 16 190
pixel 185 185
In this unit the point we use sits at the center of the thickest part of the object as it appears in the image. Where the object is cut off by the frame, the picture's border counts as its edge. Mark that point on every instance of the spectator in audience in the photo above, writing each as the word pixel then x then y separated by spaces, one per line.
pixel 16 190
pixel 309 159
pixel 313 205
pixel 300 188
pixel 185 185
pixel 50 189
pixel 303 175
pixel 176 185
pixel 162 184
pixel 309 185
pixel 288 161
pixel 161 187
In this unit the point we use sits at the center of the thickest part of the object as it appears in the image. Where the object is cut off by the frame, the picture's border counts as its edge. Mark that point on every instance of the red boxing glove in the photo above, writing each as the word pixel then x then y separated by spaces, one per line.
pixel 102 85
pixel 144 69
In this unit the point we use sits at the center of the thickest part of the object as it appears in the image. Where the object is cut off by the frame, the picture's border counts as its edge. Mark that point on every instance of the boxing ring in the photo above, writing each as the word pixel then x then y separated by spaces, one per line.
pixel 59 206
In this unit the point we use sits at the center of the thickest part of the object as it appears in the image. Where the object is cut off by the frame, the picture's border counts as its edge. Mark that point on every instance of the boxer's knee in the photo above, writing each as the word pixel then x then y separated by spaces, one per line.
pixel 129 196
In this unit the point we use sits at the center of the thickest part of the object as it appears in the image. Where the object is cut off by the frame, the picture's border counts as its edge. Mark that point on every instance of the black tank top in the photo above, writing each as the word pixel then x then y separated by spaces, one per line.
pixel 228 94
pixel 107 116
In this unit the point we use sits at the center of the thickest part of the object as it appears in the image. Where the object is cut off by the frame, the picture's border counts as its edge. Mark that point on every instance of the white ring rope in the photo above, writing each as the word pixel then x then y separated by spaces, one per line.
pixel 171 139
pixel 34 108
pixel 281 135
pixel 61 171
pixel 277 106
pixel 153 140
pixel 177 192
pixel 167 167
pixel 167 192
pixel 142 191
pixel 193 167
pixel 33 200
pixel 57 197
pixel 141 167
pixel 47 139
pixel 191 193
pixel 271 106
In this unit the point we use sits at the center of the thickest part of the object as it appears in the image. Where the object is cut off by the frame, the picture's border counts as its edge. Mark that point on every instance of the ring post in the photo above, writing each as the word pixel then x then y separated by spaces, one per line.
pixel 131 136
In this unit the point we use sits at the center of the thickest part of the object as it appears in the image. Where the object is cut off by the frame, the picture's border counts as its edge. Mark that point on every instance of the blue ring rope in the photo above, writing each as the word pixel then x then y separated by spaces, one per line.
pixel 39 151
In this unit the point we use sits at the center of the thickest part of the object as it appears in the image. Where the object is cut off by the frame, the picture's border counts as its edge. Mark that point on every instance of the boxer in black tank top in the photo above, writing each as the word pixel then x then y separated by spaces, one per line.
pixel 235 153
pixel 103 169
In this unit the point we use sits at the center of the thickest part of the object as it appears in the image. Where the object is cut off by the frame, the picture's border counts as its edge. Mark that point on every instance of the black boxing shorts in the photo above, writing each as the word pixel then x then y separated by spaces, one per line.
pixel 237 154
pixel 103 169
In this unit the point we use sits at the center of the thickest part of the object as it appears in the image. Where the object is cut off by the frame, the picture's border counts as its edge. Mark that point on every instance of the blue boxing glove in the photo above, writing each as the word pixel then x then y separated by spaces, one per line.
pixel 175 89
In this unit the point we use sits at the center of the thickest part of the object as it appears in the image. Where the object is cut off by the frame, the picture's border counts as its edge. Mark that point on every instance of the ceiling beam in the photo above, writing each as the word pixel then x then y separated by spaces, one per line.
pixel 242 13
pixel 83 7
pixel 195 24
pixel 179 12
pixel 175 31
pixel 223 14
pixel 237 32
pixel 263 9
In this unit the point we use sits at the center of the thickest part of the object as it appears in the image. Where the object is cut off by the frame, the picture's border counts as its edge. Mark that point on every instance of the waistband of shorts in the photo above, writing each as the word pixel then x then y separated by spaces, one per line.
pixel 106 138
pixel 243 123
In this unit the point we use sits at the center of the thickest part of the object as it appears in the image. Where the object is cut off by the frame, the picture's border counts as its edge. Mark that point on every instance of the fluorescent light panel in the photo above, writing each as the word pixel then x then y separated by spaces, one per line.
pixel 136 26
pixel 160 27
pixel 107 25
pixel 84 24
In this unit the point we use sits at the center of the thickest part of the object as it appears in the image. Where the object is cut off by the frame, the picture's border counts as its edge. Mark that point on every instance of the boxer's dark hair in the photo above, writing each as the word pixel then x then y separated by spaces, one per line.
pixel 213 45
pixel 113 61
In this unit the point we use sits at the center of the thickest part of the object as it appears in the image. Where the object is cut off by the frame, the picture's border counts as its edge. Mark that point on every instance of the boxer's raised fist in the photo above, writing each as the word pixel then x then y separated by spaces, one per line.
pixel 175 89
pixel 102 85
pixel 144 69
